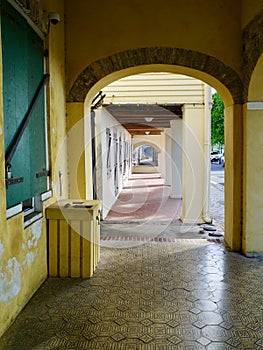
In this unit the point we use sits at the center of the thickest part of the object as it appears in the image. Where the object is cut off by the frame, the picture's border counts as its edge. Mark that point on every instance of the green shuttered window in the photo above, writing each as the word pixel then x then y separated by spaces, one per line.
pixel 23 69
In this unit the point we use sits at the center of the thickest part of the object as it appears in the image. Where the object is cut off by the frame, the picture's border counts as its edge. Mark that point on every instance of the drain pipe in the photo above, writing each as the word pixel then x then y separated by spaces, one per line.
pixel 93 153
pixel 96 103
pixel 207 145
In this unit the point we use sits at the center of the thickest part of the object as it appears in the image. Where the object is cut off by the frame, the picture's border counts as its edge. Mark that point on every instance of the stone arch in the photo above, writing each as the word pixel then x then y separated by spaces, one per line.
pixel 156 56
pixel 255 87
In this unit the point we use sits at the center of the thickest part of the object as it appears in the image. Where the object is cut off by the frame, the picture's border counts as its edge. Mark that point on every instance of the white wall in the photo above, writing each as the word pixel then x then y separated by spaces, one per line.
pixel 155 87
pixel 105 182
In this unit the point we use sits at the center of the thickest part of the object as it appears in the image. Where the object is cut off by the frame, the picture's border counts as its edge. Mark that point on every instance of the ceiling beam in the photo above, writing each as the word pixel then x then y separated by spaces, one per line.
pixel 132 117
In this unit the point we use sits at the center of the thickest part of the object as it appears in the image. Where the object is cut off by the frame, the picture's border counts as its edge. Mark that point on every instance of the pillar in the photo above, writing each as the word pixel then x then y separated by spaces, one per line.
pixel 176 158
pixel 233 176
pixel 207 148
pixel 79 150
pixel 194 119
pixel 155 156
pixel 168 157
pixel 252 241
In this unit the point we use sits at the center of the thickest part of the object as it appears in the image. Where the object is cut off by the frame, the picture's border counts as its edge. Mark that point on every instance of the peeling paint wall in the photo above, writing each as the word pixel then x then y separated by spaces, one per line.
pixel 23 265
pixel 23 251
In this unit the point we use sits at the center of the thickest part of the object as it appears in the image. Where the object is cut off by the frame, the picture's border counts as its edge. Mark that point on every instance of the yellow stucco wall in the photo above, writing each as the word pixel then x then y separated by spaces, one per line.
pixel 255 92
pixel 23 266
pixel 99 29
pixel 252 241
pixel 76 150
pixel 250 8
pixel 23 252
pixel 253 190
pixel 57 125
pixel 233 175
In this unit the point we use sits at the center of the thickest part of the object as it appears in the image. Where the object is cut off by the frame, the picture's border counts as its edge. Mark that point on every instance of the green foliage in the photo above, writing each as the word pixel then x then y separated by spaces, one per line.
pixel 217 121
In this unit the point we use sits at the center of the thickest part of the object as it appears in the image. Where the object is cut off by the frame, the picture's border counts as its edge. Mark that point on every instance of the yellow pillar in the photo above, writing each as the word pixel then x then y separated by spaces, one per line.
pixel 76 150
pixel 252 239
pixel 194 196
pixel 233 175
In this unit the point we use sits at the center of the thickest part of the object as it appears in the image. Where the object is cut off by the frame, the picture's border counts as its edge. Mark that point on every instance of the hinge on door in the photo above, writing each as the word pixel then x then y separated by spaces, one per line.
pixel 9 179
pixel 43 173
pixel 13 181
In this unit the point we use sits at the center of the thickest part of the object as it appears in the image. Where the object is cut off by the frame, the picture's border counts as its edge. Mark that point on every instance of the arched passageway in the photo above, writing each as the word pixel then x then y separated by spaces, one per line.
pixel 150 39
pixel 154 107
pixel 197 65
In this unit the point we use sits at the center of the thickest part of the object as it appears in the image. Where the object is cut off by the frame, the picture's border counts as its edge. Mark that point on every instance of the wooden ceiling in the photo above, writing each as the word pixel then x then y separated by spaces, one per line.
pixel 136 117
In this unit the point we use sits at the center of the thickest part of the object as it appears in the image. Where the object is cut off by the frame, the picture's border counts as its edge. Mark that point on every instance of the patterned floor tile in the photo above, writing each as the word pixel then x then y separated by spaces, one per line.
pixel 216 333
pixel 155 295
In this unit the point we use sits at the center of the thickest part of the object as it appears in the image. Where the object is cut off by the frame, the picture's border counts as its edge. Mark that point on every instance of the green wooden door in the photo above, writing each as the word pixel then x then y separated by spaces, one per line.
pixel 23 69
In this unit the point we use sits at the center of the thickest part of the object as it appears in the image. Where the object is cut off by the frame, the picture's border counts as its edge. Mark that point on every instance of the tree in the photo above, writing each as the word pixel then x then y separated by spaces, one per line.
pixel 217 121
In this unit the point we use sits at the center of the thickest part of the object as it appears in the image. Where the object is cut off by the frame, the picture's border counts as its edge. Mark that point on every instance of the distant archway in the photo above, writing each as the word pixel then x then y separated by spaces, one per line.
pixel 147 143
pixel 145 155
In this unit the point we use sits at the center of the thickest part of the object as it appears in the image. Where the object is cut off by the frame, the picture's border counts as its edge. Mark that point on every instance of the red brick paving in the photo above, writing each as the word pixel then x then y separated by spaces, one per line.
pixel 145 197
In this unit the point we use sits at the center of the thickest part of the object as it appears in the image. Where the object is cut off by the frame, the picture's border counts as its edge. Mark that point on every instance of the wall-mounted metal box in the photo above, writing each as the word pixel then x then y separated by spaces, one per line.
pixel 73 237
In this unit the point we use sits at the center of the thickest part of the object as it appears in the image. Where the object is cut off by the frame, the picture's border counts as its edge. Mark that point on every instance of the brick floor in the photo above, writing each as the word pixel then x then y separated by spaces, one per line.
pixel 145 197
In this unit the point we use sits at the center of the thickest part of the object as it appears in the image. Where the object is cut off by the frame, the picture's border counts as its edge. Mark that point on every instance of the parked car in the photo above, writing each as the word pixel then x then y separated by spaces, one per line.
pixel 222 159
pixel 215 156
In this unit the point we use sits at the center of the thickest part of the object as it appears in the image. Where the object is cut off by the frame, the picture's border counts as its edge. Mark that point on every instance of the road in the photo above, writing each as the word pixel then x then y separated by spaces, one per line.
pixel 217 195
pixel 217 174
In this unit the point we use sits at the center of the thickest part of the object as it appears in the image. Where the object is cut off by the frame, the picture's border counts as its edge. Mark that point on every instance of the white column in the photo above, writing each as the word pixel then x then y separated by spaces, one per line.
pixel 176 159
pixel 193 164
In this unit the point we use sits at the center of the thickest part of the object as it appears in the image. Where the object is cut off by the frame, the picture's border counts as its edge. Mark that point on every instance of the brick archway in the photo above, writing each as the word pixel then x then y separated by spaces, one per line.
pixel 156 55
pixel 252 49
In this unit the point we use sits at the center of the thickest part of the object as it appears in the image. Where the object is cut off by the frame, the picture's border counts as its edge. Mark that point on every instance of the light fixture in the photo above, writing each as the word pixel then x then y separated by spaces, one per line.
pixel 147 132
pixel 148 119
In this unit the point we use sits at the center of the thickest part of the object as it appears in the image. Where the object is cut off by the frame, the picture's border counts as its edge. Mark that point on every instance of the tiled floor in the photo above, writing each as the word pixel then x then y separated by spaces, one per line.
pixel 186 294
pixel 145 197
pixel 159 285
